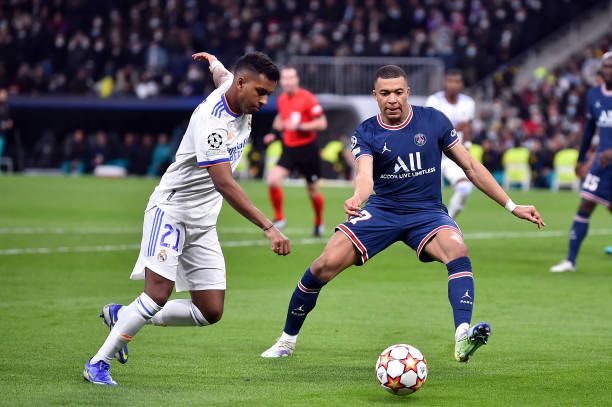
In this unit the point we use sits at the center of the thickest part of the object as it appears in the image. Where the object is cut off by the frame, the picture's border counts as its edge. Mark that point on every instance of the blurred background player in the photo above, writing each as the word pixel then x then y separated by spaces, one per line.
pixel 597 185
pixel 459 108
pixel 299 118
pixel 397 159
pixel 179 243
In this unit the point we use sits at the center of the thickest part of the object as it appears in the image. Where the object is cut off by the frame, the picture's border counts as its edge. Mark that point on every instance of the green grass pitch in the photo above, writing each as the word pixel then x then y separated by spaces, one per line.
pixel 67 247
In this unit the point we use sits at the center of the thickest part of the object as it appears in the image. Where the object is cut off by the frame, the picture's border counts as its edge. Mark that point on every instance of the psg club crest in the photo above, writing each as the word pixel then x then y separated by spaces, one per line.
pixel 420 139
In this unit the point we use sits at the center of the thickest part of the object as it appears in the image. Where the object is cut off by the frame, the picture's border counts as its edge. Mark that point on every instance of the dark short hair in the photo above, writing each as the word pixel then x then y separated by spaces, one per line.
pixel 389 72
pixel 260 63
pixel 454 72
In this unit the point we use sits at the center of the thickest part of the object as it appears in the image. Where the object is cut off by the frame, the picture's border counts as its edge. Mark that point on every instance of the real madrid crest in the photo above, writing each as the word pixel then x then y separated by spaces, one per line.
pixel 420 139
pixel 162 256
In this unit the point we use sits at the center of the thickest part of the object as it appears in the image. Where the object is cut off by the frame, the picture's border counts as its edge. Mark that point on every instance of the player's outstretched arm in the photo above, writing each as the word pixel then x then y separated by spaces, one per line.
pixel 219 73
pixel 233 193
pixel 484 181
pixel 364 185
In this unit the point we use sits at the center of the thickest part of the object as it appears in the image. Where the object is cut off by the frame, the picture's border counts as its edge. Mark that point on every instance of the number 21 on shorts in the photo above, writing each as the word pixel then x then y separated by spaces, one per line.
pixel 171 238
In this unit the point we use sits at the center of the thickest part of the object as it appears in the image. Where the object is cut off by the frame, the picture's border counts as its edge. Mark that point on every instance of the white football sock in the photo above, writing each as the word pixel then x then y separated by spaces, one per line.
pixel 133 317
pixel 288 338
pixel 463 190
pixel 461 330
pixel 179 313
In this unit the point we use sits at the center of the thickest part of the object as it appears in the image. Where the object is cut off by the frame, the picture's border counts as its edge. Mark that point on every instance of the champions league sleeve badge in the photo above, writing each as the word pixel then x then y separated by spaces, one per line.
pixel 215 140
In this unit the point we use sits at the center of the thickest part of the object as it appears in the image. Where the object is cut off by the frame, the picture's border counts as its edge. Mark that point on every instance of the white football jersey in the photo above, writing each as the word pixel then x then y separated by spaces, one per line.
pixel 215 135
pixel 460 112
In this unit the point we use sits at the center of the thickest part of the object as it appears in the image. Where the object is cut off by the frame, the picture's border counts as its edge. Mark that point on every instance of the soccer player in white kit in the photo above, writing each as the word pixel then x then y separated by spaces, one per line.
pixel 179 243
pixel 459 108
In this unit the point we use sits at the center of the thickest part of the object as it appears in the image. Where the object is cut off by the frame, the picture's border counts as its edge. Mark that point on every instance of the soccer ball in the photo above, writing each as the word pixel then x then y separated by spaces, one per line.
pixel 401 369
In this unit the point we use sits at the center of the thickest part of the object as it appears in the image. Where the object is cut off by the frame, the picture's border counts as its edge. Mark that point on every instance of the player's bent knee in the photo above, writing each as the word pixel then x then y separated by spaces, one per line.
pixel 587 206
pixel 273 181
pixel 456 251
pixel 213 316
pixel 325 267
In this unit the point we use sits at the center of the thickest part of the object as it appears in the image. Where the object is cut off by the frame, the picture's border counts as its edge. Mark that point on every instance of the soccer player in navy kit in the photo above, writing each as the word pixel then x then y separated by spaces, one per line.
pixel 397 155
pixel 597 185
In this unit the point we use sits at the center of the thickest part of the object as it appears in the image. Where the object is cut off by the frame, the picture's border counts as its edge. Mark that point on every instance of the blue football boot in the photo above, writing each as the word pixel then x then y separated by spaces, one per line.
pixel 98 373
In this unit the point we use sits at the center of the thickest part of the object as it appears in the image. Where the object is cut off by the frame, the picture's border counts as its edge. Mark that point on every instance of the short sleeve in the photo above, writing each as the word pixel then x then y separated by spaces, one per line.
pixel 314 108
pixel 448 137
pixel 359 145
pixel 211 143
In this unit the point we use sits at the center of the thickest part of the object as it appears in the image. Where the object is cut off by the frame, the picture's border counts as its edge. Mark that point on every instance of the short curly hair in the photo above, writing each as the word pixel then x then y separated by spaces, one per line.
pixel 260 63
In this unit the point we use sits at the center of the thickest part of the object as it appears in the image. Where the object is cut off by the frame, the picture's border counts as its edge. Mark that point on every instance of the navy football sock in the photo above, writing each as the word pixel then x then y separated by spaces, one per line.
pixel 461 289
pixel 579 230
pixel 303 300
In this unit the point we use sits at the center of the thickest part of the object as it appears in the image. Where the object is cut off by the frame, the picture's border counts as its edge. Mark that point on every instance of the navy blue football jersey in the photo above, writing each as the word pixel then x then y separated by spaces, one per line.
pixel 599 110
pixel 406 158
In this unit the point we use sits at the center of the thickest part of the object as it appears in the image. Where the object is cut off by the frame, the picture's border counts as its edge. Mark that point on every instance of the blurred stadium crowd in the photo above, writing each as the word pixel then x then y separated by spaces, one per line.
pixel 545 116
pixel 143 48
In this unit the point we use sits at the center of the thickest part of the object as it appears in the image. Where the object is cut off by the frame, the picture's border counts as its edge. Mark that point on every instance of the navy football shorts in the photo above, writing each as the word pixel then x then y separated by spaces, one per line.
pixel 597 186
pixel 379 228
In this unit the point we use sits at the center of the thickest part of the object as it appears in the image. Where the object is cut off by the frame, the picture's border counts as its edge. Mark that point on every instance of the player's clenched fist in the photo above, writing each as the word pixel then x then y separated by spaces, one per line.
pixel 280 243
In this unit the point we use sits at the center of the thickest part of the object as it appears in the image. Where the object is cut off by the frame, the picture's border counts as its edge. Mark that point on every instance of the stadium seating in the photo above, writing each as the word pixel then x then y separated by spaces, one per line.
pixel 565 175
pixel 477 151
pixel 516 168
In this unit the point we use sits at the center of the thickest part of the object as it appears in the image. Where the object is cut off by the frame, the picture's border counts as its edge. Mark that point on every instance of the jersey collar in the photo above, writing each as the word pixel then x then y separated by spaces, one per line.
pixel 227 108
pixel 605 91
pixel 397 126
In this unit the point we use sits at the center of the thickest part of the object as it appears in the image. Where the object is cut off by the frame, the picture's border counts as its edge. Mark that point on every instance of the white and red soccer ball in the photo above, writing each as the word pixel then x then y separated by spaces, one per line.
pixel 401 369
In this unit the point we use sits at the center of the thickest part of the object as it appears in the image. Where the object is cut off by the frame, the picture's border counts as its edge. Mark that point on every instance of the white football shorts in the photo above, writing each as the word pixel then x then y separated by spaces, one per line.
pixel 451 171
pixel 188 255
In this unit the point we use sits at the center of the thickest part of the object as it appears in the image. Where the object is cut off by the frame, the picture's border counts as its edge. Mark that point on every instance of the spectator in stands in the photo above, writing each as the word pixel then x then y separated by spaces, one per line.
pixel 100 150
pixel 6 124
pixel 162 156
pixel 541 162
pixel 75 153
pixel 159 36
pixel 141 158
pixel 126 151
pixel 491 158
